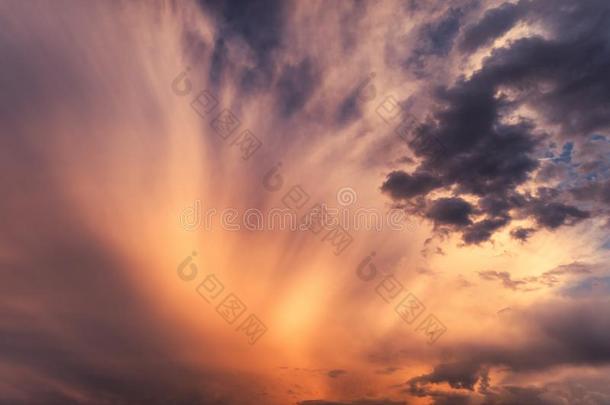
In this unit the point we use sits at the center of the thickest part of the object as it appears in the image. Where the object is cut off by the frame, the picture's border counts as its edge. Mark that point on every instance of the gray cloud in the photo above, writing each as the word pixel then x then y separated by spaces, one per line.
pixel 402 185
pixel 450 211
pixel 562 333
pixel 483 154
pixel 494 23
pixel 522 234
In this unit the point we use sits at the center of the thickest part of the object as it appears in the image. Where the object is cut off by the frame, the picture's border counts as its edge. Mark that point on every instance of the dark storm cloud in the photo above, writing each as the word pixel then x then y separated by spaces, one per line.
pixel 571 64
pixel 450 211
pixel 496 206
pixel 564 78
pixel 400 184
pixel 494 23
pixel 484 157
pixel 579 104
pixel 482 230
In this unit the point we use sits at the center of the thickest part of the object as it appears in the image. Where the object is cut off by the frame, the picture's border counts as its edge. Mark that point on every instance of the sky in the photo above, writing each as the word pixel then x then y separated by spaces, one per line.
pixel 305 202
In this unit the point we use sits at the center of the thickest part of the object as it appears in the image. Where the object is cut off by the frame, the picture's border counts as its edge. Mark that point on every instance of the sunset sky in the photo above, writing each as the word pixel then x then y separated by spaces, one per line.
pixel 148 148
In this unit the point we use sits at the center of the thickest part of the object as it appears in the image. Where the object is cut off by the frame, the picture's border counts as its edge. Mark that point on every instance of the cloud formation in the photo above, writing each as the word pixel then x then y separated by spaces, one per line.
pixel 490 148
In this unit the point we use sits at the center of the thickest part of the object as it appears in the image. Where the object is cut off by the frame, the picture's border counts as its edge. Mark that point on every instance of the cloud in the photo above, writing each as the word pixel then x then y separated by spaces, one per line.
pixel 593 191
pixel 450 211
pixel 435 38
pixel 522 234
pixel 504 276
pixel 565 334
pixel 482 230
pixel 260 25
pixel 592 287
pixel 356 402
pixel 295 85
pixel 457 375
pixel 401 185
pixel 489 149
pixel 553 215
pixel 557 338
pixel 494 23
pixel 547 279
